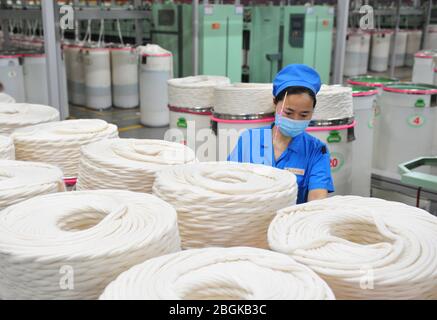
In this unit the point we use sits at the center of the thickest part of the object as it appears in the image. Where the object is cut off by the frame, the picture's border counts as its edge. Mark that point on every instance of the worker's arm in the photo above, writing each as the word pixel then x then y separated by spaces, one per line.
pixel 320 180
pixel 317 194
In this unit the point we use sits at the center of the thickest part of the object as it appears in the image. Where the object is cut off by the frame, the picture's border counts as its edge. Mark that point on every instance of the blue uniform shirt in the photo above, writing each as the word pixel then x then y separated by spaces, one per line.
pixel 306 156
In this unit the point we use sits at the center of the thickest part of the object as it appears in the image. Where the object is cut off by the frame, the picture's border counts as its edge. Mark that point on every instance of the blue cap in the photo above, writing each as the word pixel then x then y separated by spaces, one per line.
pixel 296 75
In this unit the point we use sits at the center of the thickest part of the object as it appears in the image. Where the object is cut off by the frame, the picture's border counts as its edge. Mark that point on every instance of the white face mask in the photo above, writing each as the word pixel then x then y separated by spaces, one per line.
pixel 290 127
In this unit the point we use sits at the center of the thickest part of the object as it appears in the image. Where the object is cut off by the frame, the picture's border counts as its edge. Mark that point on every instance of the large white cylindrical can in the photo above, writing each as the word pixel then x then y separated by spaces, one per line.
pixel 339 145
pixel 35 78
pixel 380 51
pixel 431 37
pixel 424 64
pixel 374 82
pixel 124 62
pixel 192 127
pixel 400 48
pixel 228 129
pixel 64 90
pixel 156 68
pixel 406 126
pixel 11 76
pixel 362 147
pixel 75 74
pixel 365 52
pixel 191 102
pixel 357 53
pixel 413 46
pixel 97 70
pixel 352 59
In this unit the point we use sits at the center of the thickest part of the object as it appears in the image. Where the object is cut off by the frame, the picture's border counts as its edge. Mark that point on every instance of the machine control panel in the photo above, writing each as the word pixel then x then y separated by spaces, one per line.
pixel 166 17
pixel 297 29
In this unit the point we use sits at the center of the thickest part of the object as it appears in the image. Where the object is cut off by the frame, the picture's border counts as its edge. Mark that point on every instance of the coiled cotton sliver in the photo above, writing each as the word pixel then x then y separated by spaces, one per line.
pixel 18 115
pixel 7 149
pixel 333 103
pixel 219 273
pixel 194 92
pixel 128 163
pixel 364 248
pixel 20 181
pixel 244 99
pixel 5 98
pixel 72 245
pixel 225 203
pixel 59 143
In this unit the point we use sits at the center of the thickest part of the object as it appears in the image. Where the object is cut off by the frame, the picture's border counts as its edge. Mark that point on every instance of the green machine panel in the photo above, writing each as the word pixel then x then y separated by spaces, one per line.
pixel 265 43
pixel 221 41
pixel 323 53
pixel 220 38
pixel 172 30
pixel 308 37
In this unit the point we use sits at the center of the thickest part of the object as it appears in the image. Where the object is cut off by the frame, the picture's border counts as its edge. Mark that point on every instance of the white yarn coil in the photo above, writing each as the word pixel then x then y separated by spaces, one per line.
pixel 59 143
pixel 364 248
pixel 18 115
pixel 333 102
pixel 21 180
pixel 128 164
pixel 220 274
pixel 72 245
pixel 225 203
pixel 7 150
pixel 244 99
pixel 5 98
pixel 194 92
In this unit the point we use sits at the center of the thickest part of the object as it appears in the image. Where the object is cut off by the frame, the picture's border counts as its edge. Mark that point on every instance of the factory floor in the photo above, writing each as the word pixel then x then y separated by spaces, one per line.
pixel 128 120
pixel 401 73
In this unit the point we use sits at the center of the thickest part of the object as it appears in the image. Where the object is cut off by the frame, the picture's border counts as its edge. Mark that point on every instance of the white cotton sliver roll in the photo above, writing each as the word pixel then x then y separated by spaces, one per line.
pixel 364 248
pixel 333 102
pixel 5 98
pixel 20 180
pixel 71 245
pixel 194 92
pixel 225 203
pixel 7 149
pixel 128 164
pixel 18 115
pixel 244 99
pixel 238 273
pixel 59 143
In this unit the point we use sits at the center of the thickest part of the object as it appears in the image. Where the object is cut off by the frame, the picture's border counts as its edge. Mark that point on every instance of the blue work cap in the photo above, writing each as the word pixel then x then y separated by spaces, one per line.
pixel 296 75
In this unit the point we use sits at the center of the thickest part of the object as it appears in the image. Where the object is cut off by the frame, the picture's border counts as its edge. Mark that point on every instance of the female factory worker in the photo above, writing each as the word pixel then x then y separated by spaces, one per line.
pixel 285 144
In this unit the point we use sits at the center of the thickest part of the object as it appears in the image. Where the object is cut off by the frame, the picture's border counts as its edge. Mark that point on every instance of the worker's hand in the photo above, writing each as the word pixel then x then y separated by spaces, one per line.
pixel 317 194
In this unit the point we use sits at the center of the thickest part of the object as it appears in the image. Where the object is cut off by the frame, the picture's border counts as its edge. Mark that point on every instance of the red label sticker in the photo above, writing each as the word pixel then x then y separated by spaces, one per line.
pixel 416 121
pixel 336 161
